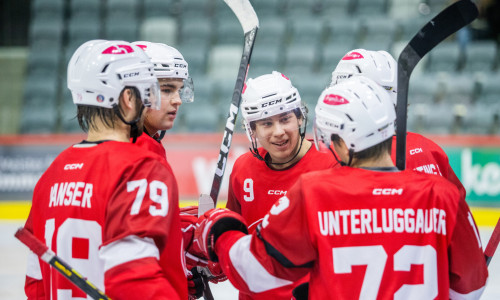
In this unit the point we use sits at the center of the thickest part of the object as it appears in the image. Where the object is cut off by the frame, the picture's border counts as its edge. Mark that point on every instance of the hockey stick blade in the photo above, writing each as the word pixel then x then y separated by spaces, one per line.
pixel 492 243
pixel 447 22
pixel 48 256
pixel 248 18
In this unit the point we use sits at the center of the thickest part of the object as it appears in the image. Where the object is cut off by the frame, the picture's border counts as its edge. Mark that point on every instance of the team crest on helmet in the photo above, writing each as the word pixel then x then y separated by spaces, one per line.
pixel 332 99
pixel 352 55
pixel 119 49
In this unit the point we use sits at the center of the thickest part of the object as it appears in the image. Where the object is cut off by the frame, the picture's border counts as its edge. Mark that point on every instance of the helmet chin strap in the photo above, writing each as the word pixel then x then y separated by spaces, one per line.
pixel 134 130
pixel 351 155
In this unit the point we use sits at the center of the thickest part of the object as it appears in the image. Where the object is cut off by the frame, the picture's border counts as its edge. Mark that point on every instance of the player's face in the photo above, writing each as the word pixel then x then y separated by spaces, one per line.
pixel 279 135
pixel 164 118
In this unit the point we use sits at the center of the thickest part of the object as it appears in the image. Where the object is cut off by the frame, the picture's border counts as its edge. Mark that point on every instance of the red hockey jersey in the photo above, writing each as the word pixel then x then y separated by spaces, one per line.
pixel 363 234
pixel 254 188
pixel 111 211
pixel 149 143
pixel 423 155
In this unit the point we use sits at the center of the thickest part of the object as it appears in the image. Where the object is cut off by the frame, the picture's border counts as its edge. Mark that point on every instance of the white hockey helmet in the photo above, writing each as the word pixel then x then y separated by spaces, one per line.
pixel 379 66
pixel 358 110
pixel 266 96
pixel 99 70
pixel 169 63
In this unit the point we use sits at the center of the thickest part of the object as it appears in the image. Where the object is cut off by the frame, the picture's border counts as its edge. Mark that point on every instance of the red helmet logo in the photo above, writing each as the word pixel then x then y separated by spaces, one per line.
pixel 143 47
pixel 285 77
pixel 332 99
pixel 352 55
pixel 119 49
pixel 244 88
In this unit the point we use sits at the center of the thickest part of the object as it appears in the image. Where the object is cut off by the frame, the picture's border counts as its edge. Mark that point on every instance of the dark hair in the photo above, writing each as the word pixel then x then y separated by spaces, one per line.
pixel 373 152
pixel 87 114
pixel 296 111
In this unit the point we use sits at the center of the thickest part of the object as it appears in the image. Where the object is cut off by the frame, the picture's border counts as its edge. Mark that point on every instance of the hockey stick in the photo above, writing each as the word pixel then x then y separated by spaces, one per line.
pixel 48 256
pixel 447 22
pixel 248 19
pixel 492 243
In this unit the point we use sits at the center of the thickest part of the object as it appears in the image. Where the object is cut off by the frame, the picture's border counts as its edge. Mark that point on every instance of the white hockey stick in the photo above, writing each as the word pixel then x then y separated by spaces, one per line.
pixel 447 22
pixel 248 19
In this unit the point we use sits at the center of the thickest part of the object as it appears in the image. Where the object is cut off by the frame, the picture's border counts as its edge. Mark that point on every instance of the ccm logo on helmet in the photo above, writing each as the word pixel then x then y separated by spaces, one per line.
pixel 387 191
pixel 119 49
pixel 73 166
pixel 129 75
pixel 415 151
pixel 271 102
pixel 183 66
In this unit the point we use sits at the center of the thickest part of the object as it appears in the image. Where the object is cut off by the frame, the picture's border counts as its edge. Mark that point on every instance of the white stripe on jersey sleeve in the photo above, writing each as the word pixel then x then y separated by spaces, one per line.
pixel 470 296
pixel 33 267
pixel 127 249
pixel 253 273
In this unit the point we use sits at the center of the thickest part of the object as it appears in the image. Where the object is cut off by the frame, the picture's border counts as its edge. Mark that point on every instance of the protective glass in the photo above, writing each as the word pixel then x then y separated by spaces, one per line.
pixel 152 96
pixel 321 140
pixel 187 92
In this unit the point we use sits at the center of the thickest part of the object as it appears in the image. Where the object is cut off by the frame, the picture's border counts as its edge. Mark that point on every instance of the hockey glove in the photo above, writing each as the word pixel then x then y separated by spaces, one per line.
pixel 210 226
pixel 189 217
pixel 196 285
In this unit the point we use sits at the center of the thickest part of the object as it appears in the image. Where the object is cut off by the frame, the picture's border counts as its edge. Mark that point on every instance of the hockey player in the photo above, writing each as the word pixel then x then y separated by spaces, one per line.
pixel 422 155
pixel 274 117
pixel 365 230
pixel 176 88
pixel 104 205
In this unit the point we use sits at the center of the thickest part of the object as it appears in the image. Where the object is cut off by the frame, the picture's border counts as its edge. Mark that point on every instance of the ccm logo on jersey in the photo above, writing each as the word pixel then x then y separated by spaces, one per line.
pixel 271 102
pixel 387 191
pixel 415 151
pixel 73 166
pixel 276 192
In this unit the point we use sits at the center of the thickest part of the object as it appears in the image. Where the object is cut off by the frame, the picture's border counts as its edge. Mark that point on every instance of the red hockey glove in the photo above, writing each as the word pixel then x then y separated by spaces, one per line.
pixel 189 217
pixel 210 226
pixel 217 273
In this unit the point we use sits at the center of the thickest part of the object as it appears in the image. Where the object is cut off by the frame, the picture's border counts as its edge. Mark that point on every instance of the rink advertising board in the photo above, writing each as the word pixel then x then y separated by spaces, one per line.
pixel 193 157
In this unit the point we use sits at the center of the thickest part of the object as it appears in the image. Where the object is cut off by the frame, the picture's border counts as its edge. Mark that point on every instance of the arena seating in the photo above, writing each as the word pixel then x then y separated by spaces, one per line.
pixel 455 89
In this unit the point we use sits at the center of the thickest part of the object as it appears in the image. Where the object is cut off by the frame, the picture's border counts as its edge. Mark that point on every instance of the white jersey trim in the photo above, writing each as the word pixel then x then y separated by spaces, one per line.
pixel 248 267
pixel 472 295
pixel 33 269
pixel 127 249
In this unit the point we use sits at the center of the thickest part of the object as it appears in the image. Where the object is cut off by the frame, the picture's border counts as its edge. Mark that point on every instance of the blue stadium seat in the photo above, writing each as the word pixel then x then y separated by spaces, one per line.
pixel 343 30
pixel 480 56
pixel 445 57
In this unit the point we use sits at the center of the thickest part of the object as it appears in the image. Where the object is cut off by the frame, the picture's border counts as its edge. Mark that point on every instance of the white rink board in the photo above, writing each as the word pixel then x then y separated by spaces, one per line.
pixel 13 266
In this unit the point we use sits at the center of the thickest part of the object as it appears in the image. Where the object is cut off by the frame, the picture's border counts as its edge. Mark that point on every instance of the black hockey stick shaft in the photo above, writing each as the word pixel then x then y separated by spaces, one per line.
pixel 233 112
pixel 48 256
pixel 447 22
pixel 250 23
pixel 492 243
